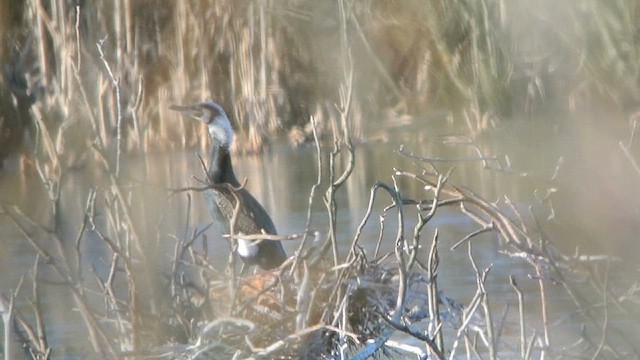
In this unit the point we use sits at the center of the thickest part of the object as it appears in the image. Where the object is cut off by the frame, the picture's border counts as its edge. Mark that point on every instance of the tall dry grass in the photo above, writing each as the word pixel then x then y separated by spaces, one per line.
pixel 274 63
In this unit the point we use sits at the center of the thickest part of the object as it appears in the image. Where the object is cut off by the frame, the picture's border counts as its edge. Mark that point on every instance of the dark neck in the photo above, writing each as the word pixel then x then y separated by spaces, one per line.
pixel 220 168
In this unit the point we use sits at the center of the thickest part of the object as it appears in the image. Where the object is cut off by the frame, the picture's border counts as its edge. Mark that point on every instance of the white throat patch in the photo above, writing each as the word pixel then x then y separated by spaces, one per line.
pixel 220 129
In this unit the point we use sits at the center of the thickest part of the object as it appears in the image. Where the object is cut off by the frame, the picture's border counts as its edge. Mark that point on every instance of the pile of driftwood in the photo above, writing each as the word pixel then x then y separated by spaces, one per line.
pixel 374 304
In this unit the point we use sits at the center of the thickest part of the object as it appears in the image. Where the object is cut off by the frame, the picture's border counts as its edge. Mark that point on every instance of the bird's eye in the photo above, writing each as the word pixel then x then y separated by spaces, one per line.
pixel 200 114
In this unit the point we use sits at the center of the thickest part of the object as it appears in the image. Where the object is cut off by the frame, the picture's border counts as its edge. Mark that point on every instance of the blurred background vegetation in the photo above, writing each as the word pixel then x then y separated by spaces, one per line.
pixel 273 64
pixel 79 76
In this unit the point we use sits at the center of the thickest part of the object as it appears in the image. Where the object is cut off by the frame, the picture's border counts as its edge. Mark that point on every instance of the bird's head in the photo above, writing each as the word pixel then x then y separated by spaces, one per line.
pixel 214 116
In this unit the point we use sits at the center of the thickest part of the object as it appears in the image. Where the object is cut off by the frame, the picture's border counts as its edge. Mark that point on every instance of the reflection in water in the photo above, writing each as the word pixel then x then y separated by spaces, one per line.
pixel 595 203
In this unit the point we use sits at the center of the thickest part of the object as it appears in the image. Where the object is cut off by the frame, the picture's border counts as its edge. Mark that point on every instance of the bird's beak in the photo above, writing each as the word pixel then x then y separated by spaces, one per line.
pixel 193 111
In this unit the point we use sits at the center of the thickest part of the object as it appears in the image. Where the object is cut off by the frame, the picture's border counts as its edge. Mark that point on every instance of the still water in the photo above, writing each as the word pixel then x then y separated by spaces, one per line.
pixel 594 207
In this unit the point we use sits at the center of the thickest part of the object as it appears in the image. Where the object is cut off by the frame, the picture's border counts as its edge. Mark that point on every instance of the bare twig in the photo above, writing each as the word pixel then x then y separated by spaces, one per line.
pixel 523 335
pixel 42 344
pixel 116 86
pixel 346 97
pixel 312 192
pixel 605 320
pixel 432 294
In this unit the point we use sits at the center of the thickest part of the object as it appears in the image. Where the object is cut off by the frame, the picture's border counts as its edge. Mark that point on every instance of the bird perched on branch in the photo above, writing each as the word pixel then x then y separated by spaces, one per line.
pixel 225 191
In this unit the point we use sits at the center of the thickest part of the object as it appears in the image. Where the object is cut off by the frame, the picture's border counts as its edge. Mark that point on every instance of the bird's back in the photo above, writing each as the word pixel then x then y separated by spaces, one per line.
pixel 222 201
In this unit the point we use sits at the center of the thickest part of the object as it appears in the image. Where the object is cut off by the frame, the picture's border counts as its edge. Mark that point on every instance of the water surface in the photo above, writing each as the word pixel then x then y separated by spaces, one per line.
pixel 594 208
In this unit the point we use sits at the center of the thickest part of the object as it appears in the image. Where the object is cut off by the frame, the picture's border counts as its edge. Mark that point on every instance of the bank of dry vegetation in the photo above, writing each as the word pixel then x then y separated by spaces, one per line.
pixel 106 71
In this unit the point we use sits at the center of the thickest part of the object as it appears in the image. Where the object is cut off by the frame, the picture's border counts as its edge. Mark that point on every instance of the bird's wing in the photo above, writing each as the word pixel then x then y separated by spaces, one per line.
pixel 250 214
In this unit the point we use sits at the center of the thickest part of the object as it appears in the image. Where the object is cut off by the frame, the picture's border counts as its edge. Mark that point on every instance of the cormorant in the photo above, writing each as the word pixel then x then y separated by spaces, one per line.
pixel 252 218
